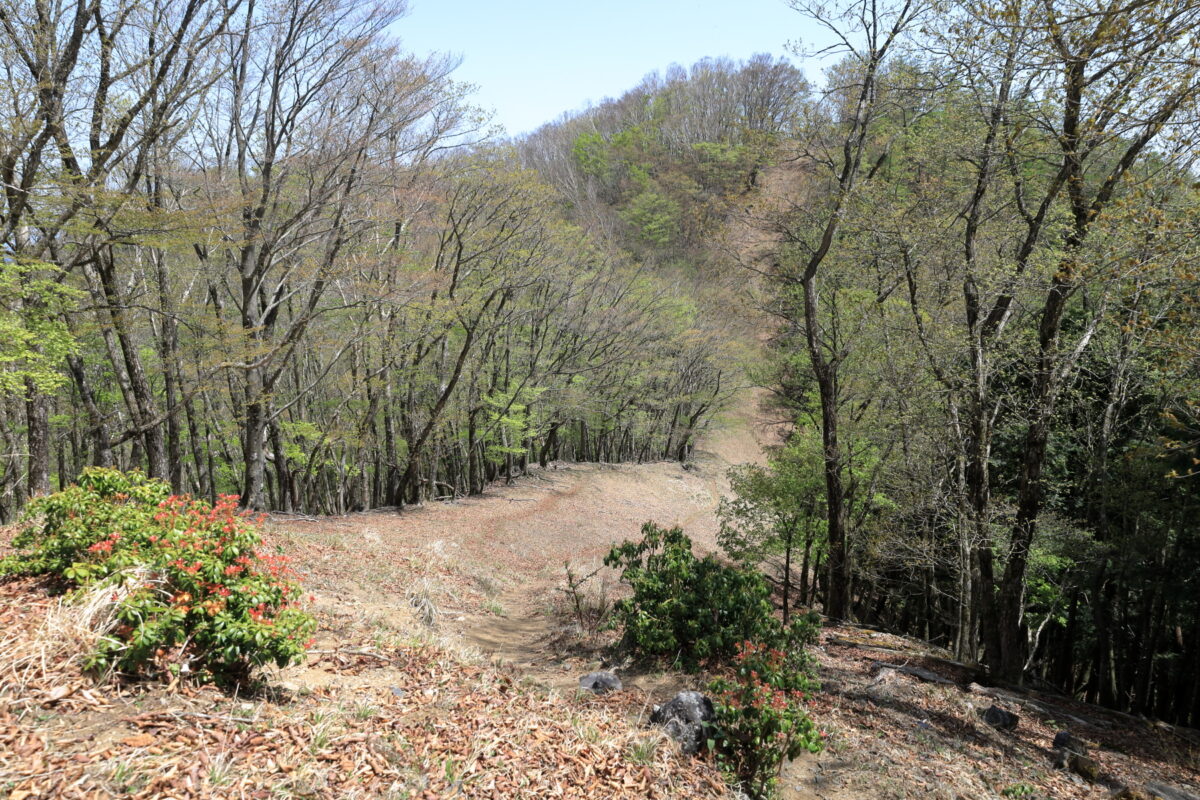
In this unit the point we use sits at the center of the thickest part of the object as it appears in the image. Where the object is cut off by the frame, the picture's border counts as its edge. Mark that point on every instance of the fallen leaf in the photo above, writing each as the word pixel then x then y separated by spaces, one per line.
pixel 141 740
pixel 60 692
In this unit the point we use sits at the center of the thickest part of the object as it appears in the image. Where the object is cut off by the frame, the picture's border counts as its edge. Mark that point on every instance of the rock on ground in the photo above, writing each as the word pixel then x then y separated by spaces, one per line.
pixel 600 682
pixel 684 718
pixel 999 718
pixel 1161 791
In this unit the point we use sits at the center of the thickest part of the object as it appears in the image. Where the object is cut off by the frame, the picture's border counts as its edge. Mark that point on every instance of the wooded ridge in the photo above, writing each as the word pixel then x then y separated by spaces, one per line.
pixel 259 249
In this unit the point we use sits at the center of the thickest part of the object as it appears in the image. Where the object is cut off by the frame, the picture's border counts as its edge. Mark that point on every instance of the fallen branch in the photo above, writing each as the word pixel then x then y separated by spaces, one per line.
pixel 916 672
pixel 353 653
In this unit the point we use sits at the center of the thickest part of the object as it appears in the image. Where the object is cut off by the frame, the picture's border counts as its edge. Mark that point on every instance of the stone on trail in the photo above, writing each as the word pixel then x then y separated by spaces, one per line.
pixel 1152 791
pixel 600 682
pixel 1084 765
pixel 1066 746
pixel 920 673
pixel 999 718
pixel 1129 793
pixel 684 718
pixel 1160 791
pixel 1071 753
pixel 1065 740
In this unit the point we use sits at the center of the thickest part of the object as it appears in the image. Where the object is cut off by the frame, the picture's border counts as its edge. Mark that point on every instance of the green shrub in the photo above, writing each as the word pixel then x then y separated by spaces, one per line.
pixel 191 590
pixel 760 717
pixel 687 608
pixel 700 610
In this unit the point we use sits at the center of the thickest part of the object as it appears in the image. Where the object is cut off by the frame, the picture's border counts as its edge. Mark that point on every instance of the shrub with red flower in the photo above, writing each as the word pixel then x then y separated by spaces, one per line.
pixel 199 597
pixel 760 716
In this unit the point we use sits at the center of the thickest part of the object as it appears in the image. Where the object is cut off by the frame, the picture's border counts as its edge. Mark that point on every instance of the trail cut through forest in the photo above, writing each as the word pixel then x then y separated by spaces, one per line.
pixel 490 568
pixel 392 699
pixel 913 343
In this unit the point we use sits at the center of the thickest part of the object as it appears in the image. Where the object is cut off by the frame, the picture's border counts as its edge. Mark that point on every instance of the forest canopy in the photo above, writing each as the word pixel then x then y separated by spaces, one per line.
pixel 259 249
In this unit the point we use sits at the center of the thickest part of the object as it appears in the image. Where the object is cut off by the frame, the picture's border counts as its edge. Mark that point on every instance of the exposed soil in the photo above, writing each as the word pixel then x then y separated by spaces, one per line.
pixel 389 705
pixel 898 734
pixel 374 714
pixel 489 570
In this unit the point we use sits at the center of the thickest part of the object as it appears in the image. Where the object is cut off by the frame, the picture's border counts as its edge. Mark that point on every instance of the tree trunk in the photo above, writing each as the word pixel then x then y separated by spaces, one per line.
pixel 144 409
pixel 253 453
pixel 102 455
pixel 837 600
pixel 37 421
pixel 787 571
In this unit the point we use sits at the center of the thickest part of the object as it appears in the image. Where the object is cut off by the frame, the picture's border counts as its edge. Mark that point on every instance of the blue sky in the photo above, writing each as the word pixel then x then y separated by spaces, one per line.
pixel 534 59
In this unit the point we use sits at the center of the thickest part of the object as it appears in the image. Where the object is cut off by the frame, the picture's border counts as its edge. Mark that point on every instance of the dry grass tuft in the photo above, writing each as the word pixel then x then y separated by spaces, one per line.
pixel 420 596
pixel 70 629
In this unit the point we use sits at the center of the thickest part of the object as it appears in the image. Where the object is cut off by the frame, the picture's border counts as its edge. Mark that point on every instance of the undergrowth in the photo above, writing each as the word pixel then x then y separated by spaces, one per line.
pixel 173 584
pixel 699 611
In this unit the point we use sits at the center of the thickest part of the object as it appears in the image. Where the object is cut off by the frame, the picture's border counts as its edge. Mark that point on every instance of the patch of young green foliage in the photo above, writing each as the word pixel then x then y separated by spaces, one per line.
pixel 697 611
pixel 760 716
pixel 510 422
pixel 777 510
pixel 191 590
pixel 33 337
pixel 686 609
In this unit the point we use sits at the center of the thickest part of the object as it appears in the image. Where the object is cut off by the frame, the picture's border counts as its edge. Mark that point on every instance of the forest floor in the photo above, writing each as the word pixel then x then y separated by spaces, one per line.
pixel 448 657
pixel 904 721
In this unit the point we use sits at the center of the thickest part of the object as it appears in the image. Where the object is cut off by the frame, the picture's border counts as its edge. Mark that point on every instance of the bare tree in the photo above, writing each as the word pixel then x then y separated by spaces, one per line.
pixel 842 151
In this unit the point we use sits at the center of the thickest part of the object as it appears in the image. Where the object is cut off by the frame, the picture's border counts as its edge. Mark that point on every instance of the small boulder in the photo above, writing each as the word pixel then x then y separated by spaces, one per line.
pixel 999 718
pixel 886 685
pixel 684 718
pixel 1067 745
pixel 1085 766
pixel 600 682
pixel 1160 791
pixel 1065 740
pixel 1129 793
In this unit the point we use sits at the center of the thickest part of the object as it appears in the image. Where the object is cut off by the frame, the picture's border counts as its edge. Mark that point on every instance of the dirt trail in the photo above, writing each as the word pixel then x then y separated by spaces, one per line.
pixel 602 506
pixel 485 570
pixel 490 563
pixel 493 563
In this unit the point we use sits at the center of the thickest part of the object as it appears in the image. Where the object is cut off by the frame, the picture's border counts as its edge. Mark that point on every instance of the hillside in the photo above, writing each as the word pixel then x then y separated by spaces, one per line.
pixel 505 550
pixel 401 699
pixel 898 734
pixel 317 387
pixel 396 699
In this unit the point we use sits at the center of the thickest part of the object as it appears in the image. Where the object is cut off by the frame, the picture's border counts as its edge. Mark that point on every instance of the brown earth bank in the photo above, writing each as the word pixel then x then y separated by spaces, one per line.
pixel 905 721
pixel 447 660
